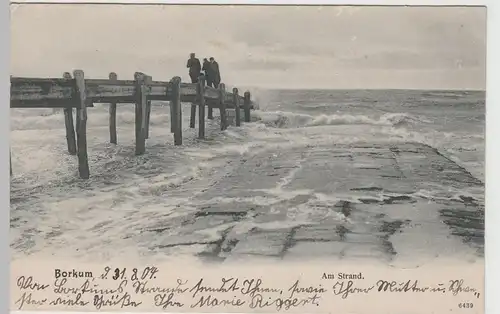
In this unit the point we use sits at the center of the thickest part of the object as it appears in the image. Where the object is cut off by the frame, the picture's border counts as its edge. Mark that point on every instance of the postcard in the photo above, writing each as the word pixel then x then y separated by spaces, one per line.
pixel 247 158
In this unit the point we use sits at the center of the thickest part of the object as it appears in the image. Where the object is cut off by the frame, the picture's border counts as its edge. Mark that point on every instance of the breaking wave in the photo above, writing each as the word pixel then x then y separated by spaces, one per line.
pixel 283 119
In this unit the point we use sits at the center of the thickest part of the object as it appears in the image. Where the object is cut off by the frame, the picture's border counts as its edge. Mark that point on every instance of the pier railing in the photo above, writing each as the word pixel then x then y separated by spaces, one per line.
pixel 79 93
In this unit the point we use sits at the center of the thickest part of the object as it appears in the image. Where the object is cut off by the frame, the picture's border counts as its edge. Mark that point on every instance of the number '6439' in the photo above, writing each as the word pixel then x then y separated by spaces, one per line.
pixel 465 305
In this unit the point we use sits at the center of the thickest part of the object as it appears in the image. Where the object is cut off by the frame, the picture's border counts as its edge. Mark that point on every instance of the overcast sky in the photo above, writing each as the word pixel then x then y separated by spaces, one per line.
pixel 262 46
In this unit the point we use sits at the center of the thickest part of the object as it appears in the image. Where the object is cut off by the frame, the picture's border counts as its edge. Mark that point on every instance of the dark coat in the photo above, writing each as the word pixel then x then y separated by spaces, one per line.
pixel 194 66
pixel 215 69
pixel 207 68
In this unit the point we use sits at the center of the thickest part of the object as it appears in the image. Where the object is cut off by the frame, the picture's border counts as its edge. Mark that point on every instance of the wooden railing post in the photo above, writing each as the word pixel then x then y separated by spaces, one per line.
pixel 112 114
pixel 147 80
pixel 210 112
pixel 222 106
pixel 236 100
pixel 192 118
pixel 68 122
pixel 246 106
pixel 172 109
pixel 81 132
pixel 140 113
pixel 176 110
pixel 200 93
pixel 78 118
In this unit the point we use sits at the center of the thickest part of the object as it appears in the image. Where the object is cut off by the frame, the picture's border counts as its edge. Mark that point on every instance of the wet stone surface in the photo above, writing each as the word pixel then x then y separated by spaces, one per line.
pixel 360 201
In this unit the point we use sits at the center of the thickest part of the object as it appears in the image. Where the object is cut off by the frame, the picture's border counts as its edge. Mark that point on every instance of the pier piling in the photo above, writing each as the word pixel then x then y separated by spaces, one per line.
pixel 176 110
pixel 147 109
pixel 81 132
pixel 192 118
pixel 236 100
pixel 210 113
pixel 140 113
pixel 246 106
pixel 172 110
pixel 69 125
pixel 200 93
pixel 148 117
pixel 112 114
pixel 222 107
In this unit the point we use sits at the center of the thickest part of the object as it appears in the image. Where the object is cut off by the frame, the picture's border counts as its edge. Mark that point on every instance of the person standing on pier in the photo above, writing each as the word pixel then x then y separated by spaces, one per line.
pixel 216 72
pixel 208 72
pixel 194 68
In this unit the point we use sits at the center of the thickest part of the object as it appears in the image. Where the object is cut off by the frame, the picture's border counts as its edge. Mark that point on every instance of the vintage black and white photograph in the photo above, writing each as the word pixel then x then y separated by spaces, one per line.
pixel 230 133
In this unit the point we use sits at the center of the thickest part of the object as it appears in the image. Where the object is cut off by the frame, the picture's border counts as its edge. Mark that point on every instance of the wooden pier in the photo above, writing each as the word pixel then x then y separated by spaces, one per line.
pixel 80 93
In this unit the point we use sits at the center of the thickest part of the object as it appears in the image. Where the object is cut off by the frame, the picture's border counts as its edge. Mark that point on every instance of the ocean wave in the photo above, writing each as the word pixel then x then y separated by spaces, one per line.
pixel 49 119
pixel 466 149
pixel 273 128
pixel 284 119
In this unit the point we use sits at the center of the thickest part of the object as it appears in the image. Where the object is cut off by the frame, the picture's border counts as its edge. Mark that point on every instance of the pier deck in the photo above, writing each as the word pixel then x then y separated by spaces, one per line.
pixel 80 93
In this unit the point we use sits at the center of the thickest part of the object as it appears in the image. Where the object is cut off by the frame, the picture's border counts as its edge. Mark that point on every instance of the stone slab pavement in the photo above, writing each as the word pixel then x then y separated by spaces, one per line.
pixel 386 202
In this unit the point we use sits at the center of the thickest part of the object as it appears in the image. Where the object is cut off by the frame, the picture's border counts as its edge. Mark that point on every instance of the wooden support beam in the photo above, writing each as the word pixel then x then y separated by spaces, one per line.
pixel 210 113
pixel 246 105
pixel 41 93
pixel 222 106
pixel 140 113
pixel 176 109
pixel 148 117
pixel 139 147
pixel 192 118
pixel 147 112
pixel 236 100
pixel 112 114
pixel 28 92
pixel 77 120
pixel 201 104
pixel 172 112
pixel 81 132
pixel 68 123
pixel 78 115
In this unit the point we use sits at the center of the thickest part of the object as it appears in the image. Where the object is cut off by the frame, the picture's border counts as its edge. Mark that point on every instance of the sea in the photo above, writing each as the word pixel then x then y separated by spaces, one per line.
pixel 53 212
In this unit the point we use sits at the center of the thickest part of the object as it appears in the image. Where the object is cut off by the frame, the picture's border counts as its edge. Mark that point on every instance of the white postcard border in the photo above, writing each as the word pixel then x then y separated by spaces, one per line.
pixel 279 2
pixel 492 277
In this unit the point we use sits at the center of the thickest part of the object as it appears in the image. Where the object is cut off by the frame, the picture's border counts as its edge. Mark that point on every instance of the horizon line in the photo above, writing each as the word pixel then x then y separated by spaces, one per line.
pixel 385 88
